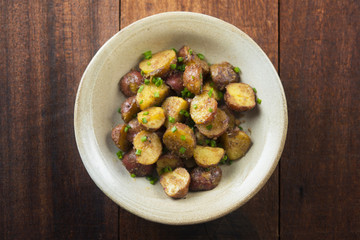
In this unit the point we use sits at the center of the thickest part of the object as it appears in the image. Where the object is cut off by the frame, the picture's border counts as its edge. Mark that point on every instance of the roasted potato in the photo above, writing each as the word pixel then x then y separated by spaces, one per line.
pixel 152 118
pixel 129 109
pixel 236 143
pixel 240 97
pixel 212 91
pixel 189 163
pixel 232 120
pixel 118 135
pixel 208 156
pixel 130 83
pixel 222 74
pixel 175 81
pixel 205 178
pixel 180 140
pixel 133 167
pixel 193 78
pixel 173 107
pixel 200 138
pixel 168 161
pixel 150 95
pixel 216 127
pixel 148 147
pixel 189 58
pixel 134 127
pixel 158 64
pixel 203 108
pixel 176 183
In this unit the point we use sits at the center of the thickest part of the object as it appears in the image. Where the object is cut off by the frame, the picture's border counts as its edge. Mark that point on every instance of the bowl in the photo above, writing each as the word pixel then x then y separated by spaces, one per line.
pixel 98 99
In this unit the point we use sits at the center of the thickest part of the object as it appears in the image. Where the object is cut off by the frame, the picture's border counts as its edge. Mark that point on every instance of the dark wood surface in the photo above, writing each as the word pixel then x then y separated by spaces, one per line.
pixel 45 190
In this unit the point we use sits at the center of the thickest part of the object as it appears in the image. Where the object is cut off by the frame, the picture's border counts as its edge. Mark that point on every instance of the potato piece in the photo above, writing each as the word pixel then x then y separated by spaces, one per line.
pixel 208 156
pixel 134 128
pixel 176 183
pixel 149 95
pixel 200 138
pixel 205 179
pixel 218 95
pixel 129 109
pixel 168 160
pixel 133 167
pixel 191 58
pixel 118 135
pixel 232 119
pixel 240 97
pixel 180 140
pixel 130 83
pixel 189 163
pixel 172 107
pixel 203 108
pixel 158 64
pixel 236 143
pixel 216 127
pixel 175 81
pixel 152 118
pixel 222 74
pixel 193 78
pixel 148 147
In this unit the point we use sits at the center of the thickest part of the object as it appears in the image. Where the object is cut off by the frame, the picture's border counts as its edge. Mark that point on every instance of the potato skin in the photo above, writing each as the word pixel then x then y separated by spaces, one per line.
pixel 168 160
pixel 175 81
pixel 236 143
pixel 130 83
pixel 193 78
pixel 129 109
pixel 118 135
pixel 176 183
pixel 190 59
pixel 222 74
pixel 133 167
pixel 135 128
pixel 240 97
pixel 174 143
pixel 205 179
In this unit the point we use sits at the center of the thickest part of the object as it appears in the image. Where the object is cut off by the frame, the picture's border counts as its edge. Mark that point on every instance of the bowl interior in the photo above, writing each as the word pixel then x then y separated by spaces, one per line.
pixel 99 98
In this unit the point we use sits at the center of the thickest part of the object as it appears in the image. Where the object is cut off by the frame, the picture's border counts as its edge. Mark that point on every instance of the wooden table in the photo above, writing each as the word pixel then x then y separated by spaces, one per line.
pixel 46 192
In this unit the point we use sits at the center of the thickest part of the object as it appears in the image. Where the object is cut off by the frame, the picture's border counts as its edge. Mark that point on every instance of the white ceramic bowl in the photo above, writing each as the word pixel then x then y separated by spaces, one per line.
pixel 98 99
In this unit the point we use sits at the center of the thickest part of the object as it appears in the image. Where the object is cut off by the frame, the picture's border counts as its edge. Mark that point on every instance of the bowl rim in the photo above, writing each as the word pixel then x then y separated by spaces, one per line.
pixel 78 115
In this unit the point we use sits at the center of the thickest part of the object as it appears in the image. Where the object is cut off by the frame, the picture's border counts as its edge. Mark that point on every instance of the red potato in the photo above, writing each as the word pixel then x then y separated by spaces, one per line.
pixel 203 179
pixel 118 135
pixel 135 128
pixel 240 97
pixel 193 78
pixel 130 83
pixel 190 57
pixel 129 109
pixel 175 81
pixel 133 167
pixel 222 74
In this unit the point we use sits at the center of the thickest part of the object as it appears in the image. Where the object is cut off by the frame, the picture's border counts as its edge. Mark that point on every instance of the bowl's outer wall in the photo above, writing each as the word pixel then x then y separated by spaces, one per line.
pixel 98 99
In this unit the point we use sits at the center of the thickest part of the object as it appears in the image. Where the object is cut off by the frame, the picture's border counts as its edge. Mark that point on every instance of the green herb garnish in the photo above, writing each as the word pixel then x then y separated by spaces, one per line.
pixel 171 119
pixel 183 137
pixel 209 127
pixel 156 94
pixel 180 59
pixel 237 69
pixel 141 88
pixel 147 81
pixel 258 100
pixel 182 150
pixel 202 57
pixel 138 152
pixel 173 129
pixel 172 66
pixel 143 138
pixel 120 154
pixel 147 54
pixel 144 120
pixel 127 128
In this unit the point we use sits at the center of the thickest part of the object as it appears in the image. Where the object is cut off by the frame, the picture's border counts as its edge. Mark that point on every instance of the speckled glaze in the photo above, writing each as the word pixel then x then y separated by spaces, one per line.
pixel 98 99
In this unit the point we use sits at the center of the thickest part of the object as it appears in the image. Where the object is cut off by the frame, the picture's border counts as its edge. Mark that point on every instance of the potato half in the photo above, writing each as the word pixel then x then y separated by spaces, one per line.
pixel 148 147
pixel 208 156
pixel 176 183
pixel 129 109
pixel 193 78
pixel 203 108
pixel 216 127
pixel 172 107
pixel 158 64
pixel 168 160
pixel 236 143
pixel 210 87
pixel 149 95
pixel 152 118
pixel 180 140
pixel 240 97
pixel 118 135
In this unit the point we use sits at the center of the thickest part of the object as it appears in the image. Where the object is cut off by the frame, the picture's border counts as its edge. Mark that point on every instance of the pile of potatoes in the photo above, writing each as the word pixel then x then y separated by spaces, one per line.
pixel 180 120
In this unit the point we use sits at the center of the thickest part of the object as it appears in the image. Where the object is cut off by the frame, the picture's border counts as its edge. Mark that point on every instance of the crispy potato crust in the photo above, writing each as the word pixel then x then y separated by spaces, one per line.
pixel 150 149
pixel 193 78
pixel 240 97
pixel 222 74
pixel 176 183
pixel 130 83
pixel 205 179
pixel 133 167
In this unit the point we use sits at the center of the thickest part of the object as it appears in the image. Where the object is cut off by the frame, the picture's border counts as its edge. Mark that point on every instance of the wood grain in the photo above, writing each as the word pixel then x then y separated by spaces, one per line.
pixel 258 219
pixel 319 66
pixel 45 191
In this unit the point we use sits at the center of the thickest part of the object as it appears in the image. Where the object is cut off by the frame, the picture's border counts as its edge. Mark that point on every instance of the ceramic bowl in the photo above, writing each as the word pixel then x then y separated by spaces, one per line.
pixel 98 99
